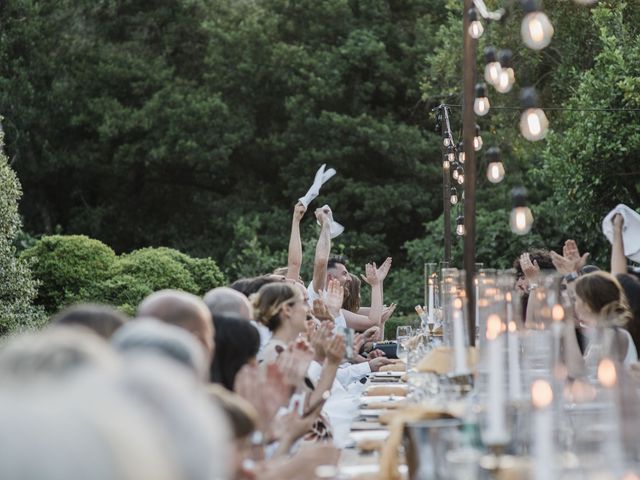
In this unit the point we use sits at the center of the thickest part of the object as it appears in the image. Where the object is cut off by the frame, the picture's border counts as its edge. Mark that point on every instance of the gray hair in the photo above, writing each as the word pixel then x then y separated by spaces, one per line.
pixel 83 428
pixel 54 353
pixel 225 301
pixel 148 335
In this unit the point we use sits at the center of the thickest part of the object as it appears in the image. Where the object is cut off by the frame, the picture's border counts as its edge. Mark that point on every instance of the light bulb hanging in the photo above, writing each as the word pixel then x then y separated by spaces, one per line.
pixel 507 76
pixel 460 175
pixel 536 29
pixel 475 26
pixel 477 140
pixel 521 218
pixel 533 122
pixel 492 68
pixel 454 170
pixel 481 104
pixel 495 169
pixel 461 156
pixel 454 196
pixel 460 231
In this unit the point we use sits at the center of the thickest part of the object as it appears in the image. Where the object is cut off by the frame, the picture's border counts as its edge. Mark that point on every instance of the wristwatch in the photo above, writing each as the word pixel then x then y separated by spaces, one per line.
pixel 571 277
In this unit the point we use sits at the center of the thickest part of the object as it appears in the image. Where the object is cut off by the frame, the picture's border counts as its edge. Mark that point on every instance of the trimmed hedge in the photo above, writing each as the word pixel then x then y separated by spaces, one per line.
pixel 74 269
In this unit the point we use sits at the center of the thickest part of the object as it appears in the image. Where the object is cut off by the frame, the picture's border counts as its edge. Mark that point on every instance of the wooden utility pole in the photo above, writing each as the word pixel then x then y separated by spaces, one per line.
pixel 468 126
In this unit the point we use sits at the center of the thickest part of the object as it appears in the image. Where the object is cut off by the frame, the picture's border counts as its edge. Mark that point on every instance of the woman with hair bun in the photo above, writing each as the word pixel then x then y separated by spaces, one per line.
pixel 601 310
pixel 282 308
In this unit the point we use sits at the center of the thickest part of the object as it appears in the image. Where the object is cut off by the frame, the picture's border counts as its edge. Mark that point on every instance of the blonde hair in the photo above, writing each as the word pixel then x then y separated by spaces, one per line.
pixel 269 300
pixel 604 295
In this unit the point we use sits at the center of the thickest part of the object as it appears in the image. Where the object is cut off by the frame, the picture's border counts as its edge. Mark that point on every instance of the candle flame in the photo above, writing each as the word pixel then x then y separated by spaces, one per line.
pixel 508 296
pixel 494 326
pixel 512 326
pixel 541 394
pixel 457 303
pixel 483 302
pixel 557 313
pixel 607 373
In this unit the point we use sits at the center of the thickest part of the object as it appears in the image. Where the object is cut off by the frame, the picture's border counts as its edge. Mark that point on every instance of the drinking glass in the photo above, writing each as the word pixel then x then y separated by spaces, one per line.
pixel 403 334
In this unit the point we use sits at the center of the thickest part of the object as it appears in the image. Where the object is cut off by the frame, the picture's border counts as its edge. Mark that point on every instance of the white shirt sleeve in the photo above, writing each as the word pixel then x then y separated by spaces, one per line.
pixel 349 373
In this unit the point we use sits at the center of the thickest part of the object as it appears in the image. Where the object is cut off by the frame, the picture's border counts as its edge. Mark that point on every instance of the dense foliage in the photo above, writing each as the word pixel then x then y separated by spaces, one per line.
pixel 76 268
pixel 17 287
pixel 196 124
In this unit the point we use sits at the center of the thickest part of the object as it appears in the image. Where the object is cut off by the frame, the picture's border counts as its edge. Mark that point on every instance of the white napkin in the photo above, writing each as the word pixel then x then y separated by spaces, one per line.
pixel 321 178
pixel 335 229
pixel 630 230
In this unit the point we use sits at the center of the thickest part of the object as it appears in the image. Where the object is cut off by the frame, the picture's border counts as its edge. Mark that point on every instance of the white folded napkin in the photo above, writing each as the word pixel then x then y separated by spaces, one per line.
pixel 321 178
pixel 630 230
pixel 336 229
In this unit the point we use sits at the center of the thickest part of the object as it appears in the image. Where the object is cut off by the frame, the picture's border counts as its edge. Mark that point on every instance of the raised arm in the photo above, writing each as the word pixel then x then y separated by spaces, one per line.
pixel 294 262
pixel 374 277
pixel 323 248
pixel 618 260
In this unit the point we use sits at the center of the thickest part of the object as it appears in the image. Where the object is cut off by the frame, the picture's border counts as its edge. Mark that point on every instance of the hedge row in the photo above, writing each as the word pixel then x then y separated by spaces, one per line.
pixel 75 268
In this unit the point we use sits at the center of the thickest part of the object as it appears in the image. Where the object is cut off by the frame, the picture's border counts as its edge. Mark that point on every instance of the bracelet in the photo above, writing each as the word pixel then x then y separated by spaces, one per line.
pixel 571 277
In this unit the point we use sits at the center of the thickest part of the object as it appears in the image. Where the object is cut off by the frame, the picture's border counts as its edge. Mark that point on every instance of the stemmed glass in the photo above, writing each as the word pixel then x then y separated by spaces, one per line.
pixel 403 334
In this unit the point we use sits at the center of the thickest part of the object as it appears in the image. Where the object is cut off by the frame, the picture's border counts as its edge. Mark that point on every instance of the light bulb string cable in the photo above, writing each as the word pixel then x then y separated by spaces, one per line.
pixel 561 109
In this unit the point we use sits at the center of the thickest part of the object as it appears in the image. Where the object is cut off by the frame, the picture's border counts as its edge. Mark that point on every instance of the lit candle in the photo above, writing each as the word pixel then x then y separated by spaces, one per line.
pixel 430 305
pixel 477 300
pixel 496 433
pixel 513 346
pixel 459 351
pixel 542 448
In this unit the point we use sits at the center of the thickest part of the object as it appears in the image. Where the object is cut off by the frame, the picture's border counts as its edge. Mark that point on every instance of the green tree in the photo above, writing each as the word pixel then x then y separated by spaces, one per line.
pixel 17 287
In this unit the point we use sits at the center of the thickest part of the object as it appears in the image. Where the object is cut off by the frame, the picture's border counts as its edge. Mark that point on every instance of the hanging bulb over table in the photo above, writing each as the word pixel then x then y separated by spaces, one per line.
pixel 536 29
pixel 461 155
pixel 507 77
pixel 495 169
pixel 492 67
pixel 460 231
pixel 477 140
pixel 475 26
pixel 454 196
pixel 533 122
pixel 521 218
pixel 481 104
pixel 460 171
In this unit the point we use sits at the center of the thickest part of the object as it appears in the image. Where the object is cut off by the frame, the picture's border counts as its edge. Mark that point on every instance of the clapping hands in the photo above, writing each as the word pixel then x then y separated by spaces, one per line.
pixel 570 261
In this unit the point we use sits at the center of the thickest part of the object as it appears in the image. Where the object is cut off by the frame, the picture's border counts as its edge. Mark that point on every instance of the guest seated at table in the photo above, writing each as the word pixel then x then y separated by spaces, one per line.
pixel 237 343
pixel 600 310
pixel 631 286
pixel 227 301
pixel 183 310
pixel 101 319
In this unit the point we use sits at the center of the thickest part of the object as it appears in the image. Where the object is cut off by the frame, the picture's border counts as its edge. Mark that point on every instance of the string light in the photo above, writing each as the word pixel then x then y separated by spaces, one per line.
pixel 507 77
pixel 461 156
pixel 460 231
pixel 533 122
pixel 492 68
pixel 521 218
pixel 454 170
pixel 481 104
pixel 475 26
pixel 477 140
pixel 536 29
pixel 495 169
pixel 460 171
pixel 454 196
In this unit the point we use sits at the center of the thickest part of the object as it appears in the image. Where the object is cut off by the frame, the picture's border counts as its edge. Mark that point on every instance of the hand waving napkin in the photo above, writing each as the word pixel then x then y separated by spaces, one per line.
pixel 321 178
pixel 630 230
pixel 336 229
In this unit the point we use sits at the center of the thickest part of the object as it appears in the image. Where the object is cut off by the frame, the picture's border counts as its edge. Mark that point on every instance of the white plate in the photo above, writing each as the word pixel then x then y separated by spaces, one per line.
pixel 388 374
pixel 364 400
pixel 369 435
pixel 371 412
pixel 353 470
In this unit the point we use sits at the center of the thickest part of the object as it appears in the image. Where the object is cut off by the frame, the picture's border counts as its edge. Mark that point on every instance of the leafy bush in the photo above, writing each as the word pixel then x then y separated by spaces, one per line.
pixel 17 288
pixel 75 269
pixel 393 323
pixel 66 265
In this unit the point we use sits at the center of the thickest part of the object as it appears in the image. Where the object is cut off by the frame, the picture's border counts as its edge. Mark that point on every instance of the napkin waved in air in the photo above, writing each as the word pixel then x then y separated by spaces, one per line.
pixel 321 178
pixel 335 228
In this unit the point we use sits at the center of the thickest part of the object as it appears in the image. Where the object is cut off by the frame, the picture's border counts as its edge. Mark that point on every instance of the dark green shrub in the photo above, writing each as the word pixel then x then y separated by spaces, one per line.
pixel 394 322
pixel 204 271
pixel 67 264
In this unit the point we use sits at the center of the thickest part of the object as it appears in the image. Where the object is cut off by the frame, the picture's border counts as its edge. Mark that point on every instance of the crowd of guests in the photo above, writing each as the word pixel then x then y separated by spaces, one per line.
pixel 251 381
